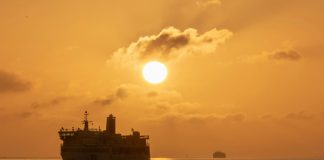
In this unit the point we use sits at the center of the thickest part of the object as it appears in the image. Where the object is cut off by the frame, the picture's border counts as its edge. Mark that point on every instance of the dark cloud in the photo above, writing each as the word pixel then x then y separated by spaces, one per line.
pixel 53 102
pixel 59 100
pixel 105 101
pixel 120 93
pixel 25 114
pixel 10 82
pixel 36 107
pixel 285 55
pixel 165 42
pixel 169 44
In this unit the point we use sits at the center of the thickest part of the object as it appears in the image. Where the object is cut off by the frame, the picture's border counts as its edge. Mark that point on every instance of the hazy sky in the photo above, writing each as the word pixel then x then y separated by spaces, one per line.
pixel 245 77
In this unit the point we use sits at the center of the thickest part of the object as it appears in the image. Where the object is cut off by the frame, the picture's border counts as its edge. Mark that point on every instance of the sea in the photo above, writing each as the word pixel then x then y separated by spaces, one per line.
pixel 22 158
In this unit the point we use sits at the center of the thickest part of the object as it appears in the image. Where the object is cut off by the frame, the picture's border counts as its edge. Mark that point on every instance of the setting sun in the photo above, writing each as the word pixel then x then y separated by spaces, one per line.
pixel 154 72
pixel 196 79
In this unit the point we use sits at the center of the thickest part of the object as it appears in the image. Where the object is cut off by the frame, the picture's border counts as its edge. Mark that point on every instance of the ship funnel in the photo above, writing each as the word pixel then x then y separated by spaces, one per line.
pixel 111 124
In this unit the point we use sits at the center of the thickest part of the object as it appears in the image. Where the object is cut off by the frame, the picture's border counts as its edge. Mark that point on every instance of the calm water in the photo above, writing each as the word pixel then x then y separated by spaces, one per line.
pixel 182 159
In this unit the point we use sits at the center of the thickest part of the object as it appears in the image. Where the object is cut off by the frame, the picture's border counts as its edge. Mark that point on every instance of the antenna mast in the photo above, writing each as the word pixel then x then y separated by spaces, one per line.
pixel 85 121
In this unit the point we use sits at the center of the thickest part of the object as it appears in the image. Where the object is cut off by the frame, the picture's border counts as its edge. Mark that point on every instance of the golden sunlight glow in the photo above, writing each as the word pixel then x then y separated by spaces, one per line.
pixel 154 72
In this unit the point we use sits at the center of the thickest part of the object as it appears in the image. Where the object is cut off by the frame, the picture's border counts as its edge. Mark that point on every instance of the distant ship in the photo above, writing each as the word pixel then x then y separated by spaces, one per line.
pixel 94 144
pixel 219 154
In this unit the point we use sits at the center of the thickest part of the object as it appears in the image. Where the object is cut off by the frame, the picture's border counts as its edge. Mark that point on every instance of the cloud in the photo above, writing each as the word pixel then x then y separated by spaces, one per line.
pixel 199 118
pixel 10 82
pixel 279 55
pixel 142 93
pixel 129 96
pixel 238 117
pixel 53 102
pixel 296 115
pixel 152 94
pixel 266 116
pixel 302 115
pixel 105 101
pixel 120 93
pixel 25 114
pixel 60 99
pixel 140 99
pixel 170 44
pixel 45 107
pixel 168 107
pixel 291 55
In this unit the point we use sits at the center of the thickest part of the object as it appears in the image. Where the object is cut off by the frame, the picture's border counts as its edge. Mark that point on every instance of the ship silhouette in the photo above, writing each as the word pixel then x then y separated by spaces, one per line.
pixel 94 144
pixel 219 154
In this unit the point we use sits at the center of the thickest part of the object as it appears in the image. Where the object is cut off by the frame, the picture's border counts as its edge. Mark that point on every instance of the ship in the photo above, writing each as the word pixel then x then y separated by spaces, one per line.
pixel 97 144
pixel 219 154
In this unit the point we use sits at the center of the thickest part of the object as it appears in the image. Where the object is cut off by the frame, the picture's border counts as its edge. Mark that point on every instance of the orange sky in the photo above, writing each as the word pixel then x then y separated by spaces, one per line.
pixel 245 77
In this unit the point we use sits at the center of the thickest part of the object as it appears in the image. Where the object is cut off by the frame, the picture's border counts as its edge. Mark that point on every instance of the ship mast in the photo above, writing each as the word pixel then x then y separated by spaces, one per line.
pixel 85 121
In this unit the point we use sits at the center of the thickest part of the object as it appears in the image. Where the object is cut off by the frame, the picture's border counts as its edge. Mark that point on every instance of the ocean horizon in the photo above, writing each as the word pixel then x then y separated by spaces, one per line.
pixel 161 158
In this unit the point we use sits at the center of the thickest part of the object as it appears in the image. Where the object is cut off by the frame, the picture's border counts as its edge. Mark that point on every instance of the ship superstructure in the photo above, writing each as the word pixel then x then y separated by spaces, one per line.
pixel 94 144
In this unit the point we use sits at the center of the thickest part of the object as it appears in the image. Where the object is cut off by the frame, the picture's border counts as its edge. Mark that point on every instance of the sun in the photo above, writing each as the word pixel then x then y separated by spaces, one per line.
pixel 154 72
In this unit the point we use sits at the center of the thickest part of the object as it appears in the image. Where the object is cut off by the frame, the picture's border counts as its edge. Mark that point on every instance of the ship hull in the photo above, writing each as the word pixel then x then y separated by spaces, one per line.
pixel 102 156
